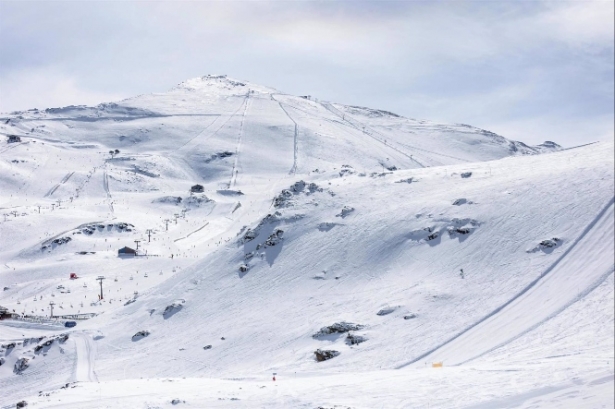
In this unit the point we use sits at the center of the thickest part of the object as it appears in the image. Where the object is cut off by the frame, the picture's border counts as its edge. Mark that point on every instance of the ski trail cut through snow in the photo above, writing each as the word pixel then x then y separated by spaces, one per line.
pixel 64 180
pixel 293 170
pixel 359 126
pixel 578 271
pixel 235 169
pixel 84 363
pixel 106 186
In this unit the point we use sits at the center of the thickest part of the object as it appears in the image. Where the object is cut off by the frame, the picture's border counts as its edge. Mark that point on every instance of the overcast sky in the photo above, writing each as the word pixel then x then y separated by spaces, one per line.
pixel 530 71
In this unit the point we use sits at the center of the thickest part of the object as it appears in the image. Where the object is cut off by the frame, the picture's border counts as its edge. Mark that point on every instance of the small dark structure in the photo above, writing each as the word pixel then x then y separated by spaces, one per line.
pixel 4 313
pixel 14 139
pixel 197 189
pixel 126 251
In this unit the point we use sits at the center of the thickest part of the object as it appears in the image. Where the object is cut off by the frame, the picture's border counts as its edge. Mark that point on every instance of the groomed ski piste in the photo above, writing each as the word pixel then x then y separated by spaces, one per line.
pixel 363 259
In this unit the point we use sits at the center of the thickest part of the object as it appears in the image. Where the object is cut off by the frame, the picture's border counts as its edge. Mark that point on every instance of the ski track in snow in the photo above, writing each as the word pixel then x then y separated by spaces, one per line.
pixel 85 358
pixel 64 180
pixel 108 193
pixel 293 169
pixel 362 127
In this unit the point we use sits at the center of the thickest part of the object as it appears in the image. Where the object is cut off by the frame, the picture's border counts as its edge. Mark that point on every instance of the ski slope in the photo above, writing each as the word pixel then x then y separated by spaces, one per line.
pixel 572 276
pixel 443 243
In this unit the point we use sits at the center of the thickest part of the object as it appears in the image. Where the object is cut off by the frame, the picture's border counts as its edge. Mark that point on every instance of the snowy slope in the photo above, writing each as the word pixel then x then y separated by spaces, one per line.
pixel 313 213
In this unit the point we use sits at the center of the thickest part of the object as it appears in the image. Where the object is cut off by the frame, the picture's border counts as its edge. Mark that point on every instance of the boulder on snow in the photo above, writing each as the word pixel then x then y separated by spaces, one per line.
pixel 461 201
pixel 325 354
pixel 386 311
pixel 2 361
pixel 410 316
pixel 549 243
pixel 173 308
pixel 352 339
pixel 21 404
pixel 466 175
pixel 21 365
pixel 337 328
pixel 244 268
pixel 346 210
pixel 274 238
pixel 140 335
pixel 206 347
pixel 546 245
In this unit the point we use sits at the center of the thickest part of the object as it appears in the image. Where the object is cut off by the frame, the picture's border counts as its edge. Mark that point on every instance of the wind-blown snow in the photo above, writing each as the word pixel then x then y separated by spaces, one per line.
pixel 489 256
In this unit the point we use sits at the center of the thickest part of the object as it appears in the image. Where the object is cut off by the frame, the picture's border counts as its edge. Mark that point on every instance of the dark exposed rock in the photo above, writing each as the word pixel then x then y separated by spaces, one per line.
pixel 352 339
pixel 549 243
pixel 325 354
pixel 173 308
pixel 140 335
pixel 274 238
pixel 346 210
pixel 410 316
pixel 337 328
pixel 21 365
pixel 466 175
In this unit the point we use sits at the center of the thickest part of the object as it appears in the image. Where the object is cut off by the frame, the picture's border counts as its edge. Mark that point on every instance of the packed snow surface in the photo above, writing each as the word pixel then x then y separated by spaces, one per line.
pixel 298 253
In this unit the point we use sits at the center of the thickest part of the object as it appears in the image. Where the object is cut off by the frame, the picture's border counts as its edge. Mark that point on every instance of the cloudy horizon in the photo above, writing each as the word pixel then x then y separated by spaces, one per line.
pixel 530 71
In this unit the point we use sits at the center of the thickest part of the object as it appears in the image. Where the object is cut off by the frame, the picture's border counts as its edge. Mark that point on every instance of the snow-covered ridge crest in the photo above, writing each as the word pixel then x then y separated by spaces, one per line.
pixel 222 83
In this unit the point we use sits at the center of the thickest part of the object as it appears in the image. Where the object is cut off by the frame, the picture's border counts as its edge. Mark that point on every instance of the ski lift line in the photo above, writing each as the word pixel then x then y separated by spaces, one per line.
pixel 435 153
pixel 337 112
pixel 234 171
pixel 293 170
pixel 214 121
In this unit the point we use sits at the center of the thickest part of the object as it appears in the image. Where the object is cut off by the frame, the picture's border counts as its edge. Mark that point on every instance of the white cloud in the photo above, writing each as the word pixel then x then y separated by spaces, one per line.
pixel 43 88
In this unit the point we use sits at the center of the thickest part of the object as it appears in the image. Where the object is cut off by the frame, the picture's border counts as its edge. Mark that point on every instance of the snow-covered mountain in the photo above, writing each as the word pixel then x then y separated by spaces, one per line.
pixel 344 249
